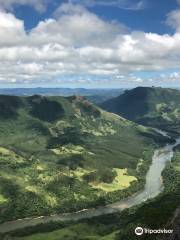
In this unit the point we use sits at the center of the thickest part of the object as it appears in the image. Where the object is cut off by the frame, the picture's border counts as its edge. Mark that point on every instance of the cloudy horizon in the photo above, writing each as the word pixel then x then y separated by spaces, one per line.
pixel 89 43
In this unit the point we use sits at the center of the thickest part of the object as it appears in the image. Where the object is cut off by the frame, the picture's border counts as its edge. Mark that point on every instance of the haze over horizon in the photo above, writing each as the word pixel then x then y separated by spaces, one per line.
pixel 89 44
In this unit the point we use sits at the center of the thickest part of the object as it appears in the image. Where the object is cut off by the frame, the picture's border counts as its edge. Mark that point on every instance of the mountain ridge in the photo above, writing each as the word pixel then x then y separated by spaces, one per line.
pixel 155 107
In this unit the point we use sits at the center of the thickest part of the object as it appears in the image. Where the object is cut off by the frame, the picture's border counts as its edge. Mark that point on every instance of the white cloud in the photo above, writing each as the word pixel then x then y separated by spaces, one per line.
pixel 77 41
pixel 11 30
pixel 174 75
pixel 80 27
pixel 39 5
pixel 173 19
pixel 123 4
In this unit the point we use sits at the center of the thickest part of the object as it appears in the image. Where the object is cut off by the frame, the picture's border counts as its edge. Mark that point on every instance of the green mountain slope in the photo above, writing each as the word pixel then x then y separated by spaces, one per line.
pixel 52 150
pixel 157 107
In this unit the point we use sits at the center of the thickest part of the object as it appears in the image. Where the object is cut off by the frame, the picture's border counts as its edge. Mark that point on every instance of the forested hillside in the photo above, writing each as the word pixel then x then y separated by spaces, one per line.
pixel 52 150
pixel 156 107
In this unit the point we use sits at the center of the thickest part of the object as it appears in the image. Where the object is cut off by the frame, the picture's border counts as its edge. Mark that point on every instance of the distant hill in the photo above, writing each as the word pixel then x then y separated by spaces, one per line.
pixel 94 95
pixel 52 150
pixel 156 107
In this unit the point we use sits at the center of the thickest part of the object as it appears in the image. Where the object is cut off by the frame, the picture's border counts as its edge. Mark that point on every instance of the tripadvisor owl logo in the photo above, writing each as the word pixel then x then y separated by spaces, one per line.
pixel 139 231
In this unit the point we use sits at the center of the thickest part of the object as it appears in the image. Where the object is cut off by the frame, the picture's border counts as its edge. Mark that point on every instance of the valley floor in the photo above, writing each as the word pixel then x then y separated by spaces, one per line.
pixel 106 227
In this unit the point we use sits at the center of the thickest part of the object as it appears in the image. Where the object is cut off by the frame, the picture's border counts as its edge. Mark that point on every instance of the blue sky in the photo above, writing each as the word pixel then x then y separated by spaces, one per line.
pixel 149 18
pixel 89 43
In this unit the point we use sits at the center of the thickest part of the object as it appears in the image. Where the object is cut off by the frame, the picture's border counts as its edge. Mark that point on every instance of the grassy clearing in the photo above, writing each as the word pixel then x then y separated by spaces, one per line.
pixel 5 151
pixel 68 150
pixel 80 172
pixel 7 156
pixel 2 199
pixel 121 181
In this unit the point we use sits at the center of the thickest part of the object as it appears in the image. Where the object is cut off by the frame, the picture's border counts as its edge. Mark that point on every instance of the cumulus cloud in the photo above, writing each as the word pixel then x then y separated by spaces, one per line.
pixel 39 5
pixel 11 30
pixel 81 27
pixel 77 42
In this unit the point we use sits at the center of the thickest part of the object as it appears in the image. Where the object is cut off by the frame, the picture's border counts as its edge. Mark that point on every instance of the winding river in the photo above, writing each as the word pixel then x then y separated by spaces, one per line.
pixel 153 187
